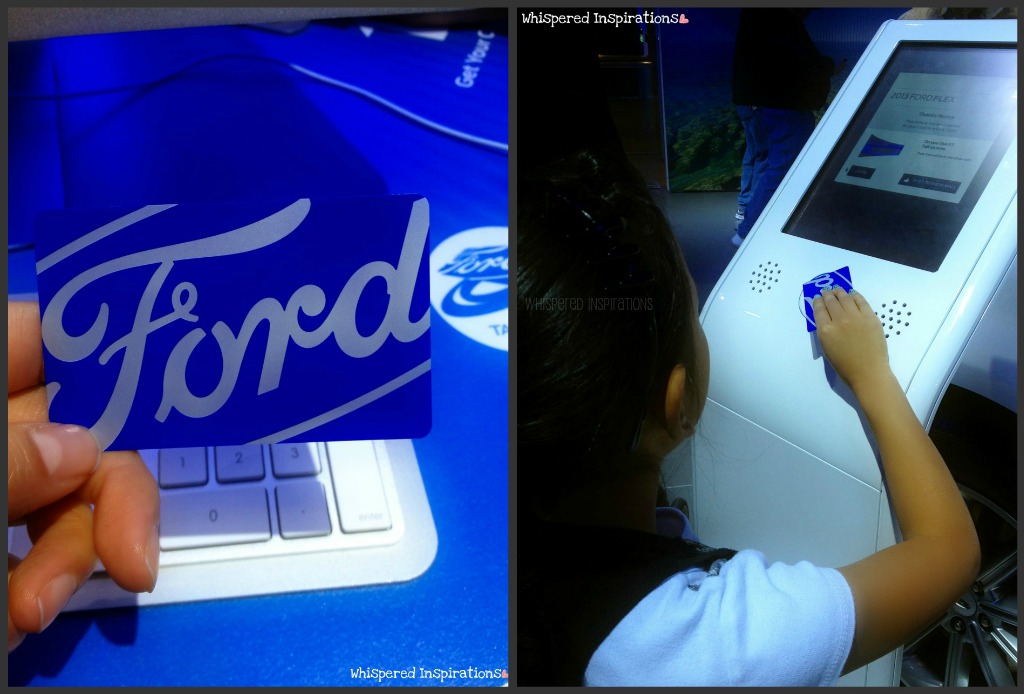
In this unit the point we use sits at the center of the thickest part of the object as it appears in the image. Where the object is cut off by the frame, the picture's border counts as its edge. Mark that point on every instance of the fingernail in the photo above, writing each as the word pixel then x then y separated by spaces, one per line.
pixel 53 597
pixel 14 639
pixel 153 555
pixel 66 449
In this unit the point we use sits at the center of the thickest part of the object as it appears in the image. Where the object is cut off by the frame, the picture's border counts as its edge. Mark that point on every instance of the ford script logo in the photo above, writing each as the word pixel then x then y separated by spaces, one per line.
pixel 197 325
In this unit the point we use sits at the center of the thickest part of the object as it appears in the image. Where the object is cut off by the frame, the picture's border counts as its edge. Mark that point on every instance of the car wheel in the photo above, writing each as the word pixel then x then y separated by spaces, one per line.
pixel 975 642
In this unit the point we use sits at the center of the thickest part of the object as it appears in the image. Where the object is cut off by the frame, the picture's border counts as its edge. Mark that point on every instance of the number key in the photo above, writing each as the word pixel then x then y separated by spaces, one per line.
pixel 212 517
pixel 183 467
pixel 239 463
pixel 295 459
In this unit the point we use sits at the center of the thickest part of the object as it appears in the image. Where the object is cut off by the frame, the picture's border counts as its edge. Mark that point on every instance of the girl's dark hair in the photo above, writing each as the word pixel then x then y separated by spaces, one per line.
pixel 604 311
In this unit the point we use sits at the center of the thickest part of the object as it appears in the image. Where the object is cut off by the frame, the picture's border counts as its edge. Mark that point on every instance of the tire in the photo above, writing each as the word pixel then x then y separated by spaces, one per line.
pixel 975 642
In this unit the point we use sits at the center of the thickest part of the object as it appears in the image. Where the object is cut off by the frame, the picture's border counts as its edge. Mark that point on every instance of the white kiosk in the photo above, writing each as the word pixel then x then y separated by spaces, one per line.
pixel 910 180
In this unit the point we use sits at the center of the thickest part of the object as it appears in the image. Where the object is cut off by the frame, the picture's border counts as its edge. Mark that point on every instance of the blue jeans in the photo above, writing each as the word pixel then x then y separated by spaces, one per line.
pixel 750 159
pixel 778 136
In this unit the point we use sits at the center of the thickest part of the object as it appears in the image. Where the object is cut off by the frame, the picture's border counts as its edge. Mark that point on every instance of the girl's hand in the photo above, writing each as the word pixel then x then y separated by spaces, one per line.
pixel 851 337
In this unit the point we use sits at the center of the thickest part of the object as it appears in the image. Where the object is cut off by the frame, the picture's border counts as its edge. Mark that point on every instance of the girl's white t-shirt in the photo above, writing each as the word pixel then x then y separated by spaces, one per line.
pixel 743 623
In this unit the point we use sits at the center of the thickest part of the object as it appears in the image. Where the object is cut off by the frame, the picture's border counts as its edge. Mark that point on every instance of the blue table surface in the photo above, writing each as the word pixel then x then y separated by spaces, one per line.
pixel 241 128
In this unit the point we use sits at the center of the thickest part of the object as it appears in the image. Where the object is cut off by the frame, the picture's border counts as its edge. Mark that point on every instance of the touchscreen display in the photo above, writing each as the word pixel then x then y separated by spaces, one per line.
pixel 909 168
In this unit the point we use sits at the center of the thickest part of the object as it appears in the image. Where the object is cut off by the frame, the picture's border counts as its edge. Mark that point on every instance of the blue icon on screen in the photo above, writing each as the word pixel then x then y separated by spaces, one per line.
pixel 877 147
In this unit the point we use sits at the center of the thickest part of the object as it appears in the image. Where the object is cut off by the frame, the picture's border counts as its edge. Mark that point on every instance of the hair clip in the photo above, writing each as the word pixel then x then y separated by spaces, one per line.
pixel 619 265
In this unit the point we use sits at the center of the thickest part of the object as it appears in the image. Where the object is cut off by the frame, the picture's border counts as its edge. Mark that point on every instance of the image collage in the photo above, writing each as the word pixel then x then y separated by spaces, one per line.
pixel 275 420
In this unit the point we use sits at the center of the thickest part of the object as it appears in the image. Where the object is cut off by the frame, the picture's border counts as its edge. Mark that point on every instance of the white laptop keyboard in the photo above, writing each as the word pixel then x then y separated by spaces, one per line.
pixel 252 520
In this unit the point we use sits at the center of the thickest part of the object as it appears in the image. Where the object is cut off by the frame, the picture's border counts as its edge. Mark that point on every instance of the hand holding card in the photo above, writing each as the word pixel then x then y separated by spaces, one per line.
pixel 77 504
pixel 823 282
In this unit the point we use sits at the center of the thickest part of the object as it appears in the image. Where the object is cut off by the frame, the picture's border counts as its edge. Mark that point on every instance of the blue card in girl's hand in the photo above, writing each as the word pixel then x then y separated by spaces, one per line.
pixel 827 280
pixel 238 323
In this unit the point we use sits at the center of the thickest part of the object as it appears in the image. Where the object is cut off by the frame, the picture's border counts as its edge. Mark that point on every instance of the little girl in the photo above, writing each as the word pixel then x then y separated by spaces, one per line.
pixel 612 375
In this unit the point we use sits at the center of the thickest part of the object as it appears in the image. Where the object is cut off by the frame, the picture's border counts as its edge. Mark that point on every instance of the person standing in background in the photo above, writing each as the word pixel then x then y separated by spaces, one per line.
pixel 779 80
pixel 752 161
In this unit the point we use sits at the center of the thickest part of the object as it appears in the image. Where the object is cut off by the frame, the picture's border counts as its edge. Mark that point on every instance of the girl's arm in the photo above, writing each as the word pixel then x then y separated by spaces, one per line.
pixel 902 589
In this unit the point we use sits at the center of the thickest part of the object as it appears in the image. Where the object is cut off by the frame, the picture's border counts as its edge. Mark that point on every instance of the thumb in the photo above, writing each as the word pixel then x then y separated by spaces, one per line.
pixel 46 462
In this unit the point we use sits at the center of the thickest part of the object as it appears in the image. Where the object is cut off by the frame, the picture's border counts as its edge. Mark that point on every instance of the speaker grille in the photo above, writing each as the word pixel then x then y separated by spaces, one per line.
pixel 765 276
pixel 896 318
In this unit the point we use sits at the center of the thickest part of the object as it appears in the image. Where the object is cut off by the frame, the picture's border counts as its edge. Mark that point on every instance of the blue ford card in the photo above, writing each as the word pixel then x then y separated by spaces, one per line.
pixel 826 280
pixel 238 323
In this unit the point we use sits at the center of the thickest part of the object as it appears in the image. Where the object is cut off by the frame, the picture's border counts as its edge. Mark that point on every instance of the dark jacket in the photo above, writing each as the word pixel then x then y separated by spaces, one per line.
pixel 776 65
pixel 575 584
